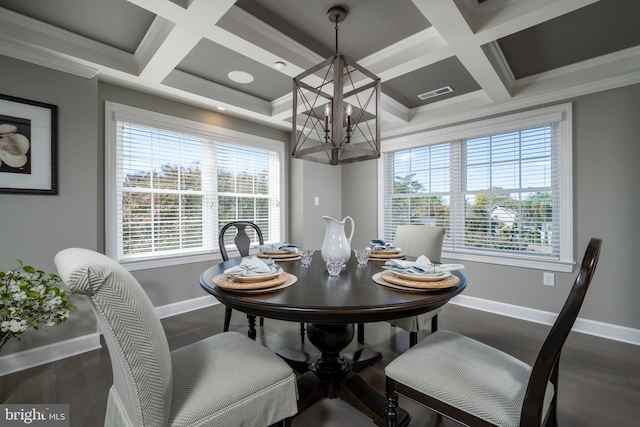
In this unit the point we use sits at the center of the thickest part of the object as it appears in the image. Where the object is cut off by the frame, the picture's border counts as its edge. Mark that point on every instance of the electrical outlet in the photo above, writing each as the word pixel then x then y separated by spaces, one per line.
pixel 316 201
pixel 548 279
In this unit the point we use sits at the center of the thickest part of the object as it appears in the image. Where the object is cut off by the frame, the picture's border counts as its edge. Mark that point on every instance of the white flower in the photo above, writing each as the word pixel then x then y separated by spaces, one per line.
pixel 53 303
pixel 28 298
pixel 13 146
pixel 19 296
pixel 14 325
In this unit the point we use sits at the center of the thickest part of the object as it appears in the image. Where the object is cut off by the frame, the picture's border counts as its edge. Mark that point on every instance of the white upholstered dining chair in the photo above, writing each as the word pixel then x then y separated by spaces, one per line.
pixel 416 240
pixel 223 380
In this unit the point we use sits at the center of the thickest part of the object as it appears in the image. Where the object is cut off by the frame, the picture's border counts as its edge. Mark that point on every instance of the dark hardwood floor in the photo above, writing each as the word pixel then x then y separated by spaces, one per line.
pixel 599 381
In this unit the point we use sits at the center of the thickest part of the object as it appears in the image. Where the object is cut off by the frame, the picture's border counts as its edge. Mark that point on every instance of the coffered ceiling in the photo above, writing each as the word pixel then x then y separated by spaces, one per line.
pixel 496 55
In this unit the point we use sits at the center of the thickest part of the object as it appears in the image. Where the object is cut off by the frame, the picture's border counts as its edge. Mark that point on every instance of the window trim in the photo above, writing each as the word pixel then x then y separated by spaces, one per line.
pixel 561 113
pixel 114 112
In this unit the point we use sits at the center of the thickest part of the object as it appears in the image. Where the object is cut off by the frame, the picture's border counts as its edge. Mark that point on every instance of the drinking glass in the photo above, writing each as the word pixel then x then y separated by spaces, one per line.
pixel 362 255
pixel 306 256
pixel 334 266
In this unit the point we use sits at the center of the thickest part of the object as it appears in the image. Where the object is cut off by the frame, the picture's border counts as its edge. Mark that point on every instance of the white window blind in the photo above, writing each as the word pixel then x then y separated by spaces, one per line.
pixel 499 195
pixel 160 191
pixel 511 188
pixel 418 187
pixel 172 190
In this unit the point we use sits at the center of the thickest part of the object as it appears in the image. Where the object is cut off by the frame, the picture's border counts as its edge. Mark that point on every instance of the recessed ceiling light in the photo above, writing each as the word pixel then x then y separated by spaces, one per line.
pixel 279 65
pixel 240 77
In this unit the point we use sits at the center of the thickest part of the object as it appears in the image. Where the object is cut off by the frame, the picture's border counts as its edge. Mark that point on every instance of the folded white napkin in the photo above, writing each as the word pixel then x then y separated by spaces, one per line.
pixel 378 244
pixel 422 265
pixel 283 246
pixel 249 266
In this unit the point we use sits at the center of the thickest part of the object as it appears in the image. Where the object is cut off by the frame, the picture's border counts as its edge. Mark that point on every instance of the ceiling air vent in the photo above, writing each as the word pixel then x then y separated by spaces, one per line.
pixel 436 92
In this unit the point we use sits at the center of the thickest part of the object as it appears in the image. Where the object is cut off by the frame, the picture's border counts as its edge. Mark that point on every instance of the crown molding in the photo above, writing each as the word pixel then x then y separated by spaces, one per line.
pixel 270 33
pixel 630 54
pixel 40 57
pixel 417 40
pixel 156 34
pixel 496 57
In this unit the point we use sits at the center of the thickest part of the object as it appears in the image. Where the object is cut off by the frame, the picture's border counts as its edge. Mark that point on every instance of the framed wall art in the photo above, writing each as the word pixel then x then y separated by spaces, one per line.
pixel 28 146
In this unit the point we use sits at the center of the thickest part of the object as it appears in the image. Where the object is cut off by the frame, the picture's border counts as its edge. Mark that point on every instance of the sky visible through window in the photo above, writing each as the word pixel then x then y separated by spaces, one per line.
pixel 518 161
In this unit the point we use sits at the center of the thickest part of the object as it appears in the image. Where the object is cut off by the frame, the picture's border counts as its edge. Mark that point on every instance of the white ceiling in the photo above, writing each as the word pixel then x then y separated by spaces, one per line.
pixel 184 50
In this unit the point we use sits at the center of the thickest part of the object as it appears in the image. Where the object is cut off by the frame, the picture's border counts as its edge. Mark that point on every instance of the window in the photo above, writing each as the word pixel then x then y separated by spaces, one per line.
pixel 500 187
pixel 172 184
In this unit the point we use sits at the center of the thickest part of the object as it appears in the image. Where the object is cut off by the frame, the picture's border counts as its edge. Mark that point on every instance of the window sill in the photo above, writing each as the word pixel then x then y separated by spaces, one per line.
pixel 172 260
pixel 512 261
pixel 157 262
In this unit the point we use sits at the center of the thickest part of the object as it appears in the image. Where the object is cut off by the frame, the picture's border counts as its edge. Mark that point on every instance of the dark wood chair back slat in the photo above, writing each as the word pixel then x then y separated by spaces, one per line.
pixel 242 239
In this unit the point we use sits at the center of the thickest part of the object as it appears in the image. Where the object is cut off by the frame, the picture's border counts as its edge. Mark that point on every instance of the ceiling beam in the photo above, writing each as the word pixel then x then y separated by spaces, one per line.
pixel 453 26
pixel 190 27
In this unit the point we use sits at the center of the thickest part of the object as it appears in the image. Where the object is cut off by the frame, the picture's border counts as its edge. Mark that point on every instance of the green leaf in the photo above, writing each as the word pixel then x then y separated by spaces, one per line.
pixel 31 294
pixel 29 269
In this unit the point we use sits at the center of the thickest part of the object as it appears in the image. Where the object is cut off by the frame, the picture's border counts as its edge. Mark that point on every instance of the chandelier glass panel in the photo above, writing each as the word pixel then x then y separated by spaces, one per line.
pixel 336 109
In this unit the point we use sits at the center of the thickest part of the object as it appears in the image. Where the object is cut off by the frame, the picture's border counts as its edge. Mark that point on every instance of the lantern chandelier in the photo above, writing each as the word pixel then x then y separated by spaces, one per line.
pixel 336 109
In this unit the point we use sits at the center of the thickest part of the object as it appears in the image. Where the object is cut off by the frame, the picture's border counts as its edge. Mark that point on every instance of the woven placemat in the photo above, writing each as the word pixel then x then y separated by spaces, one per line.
pixel 383 255
pixel 222 280
pixel 291 256
pixel 447 282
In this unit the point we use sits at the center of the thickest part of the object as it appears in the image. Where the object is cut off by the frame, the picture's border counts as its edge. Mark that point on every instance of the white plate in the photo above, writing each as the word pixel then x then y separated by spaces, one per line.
pixel 418 277
pixel 386 251
pixel 451 267
pixel 256 277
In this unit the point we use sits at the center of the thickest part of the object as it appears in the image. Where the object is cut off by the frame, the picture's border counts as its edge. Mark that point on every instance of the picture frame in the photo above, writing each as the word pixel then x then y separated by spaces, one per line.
pixel 28 146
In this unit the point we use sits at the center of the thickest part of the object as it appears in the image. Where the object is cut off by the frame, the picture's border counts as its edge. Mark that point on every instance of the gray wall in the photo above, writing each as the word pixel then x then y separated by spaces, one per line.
pixel 606 150
pixel 314 180
pixel 34 228
pixel 360 200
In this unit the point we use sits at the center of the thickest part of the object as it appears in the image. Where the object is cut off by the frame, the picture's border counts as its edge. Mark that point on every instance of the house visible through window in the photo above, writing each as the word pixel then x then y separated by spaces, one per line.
pixel 503 196
pixel 172 184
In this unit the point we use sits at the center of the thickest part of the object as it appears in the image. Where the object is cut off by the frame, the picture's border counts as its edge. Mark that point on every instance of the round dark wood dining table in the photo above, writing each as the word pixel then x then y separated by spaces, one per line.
pixel 331 306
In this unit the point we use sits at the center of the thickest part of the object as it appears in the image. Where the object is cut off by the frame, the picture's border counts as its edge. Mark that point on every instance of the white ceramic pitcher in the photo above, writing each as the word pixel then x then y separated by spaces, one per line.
pixel 336 243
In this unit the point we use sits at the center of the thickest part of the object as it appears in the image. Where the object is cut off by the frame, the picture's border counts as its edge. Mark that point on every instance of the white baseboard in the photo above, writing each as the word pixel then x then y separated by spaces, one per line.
pixel 52 352
pixel 48 353
pixel 185 306
pixel 585 326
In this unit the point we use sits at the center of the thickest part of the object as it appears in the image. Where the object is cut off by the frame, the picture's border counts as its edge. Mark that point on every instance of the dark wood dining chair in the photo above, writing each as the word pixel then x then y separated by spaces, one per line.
pixel 243 243
pixel 479 385
pixel 416 240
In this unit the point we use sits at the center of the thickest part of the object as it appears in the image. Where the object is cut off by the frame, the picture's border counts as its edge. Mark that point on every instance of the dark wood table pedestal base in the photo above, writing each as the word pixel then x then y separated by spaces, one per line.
pixel 334 375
